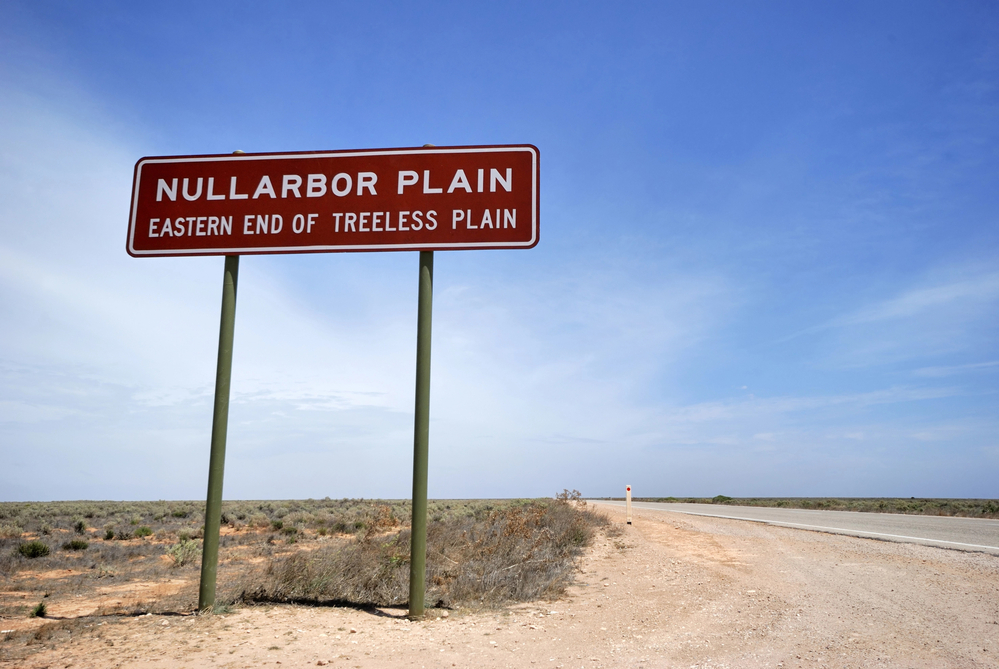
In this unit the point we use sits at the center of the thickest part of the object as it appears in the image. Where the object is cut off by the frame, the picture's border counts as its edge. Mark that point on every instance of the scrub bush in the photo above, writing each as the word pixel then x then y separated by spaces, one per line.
pixel 184 552
pixel 518 552
pixel 10 531
pixel 33 549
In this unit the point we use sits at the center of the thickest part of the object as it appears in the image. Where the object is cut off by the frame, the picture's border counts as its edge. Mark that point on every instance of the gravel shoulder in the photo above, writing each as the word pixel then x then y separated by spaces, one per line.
pixel 669 591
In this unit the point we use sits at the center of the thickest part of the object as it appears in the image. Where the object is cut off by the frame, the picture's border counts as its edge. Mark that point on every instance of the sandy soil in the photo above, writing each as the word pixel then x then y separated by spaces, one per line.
pixel 670 591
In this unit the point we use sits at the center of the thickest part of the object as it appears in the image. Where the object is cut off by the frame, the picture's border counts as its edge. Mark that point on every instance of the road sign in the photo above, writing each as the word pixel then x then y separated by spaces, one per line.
pixel 426 199
pixel 420 199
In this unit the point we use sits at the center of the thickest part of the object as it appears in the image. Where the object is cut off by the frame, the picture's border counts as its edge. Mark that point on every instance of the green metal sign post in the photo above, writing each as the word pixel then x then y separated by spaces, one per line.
pixel 421 439
pixel 220 423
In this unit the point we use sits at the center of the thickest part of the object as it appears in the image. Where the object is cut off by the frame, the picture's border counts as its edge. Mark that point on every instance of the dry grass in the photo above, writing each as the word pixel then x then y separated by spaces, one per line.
pixel 348 551
pixel 521 552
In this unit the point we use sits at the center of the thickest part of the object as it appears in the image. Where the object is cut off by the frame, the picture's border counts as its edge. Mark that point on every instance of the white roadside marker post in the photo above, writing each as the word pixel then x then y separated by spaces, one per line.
pixel 627 490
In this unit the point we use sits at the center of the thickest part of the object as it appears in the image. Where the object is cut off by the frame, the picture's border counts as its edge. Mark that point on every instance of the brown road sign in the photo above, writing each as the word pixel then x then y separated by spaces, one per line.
pixel 425 199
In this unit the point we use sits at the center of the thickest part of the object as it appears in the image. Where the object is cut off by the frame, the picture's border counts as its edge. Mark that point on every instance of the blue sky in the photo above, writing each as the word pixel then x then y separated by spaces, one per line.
pixel 769 258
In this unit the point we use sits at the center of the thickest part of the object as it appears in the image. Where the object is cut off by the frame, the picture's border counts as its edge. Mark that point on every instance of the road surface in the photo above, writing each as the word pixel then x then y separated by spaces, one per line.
pixel 969 534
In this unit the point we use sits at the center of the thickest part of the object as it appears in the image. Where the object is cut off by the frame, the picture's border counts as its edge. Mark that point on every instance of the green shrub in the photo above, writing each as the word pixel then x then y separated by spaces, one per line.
pixel 10 531
pixel 184 552
pixel 38 611
pixel 80 526
pixel 108 535
pixel 33 549
pixel 75 545
pixel 289 530
pixel 143 531
pixel 277 524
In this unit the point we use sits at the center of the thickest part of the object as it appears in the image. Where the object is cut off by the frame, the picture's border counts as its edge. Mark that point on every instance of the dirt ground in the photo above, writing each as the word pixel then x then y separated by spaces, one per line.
pixel 669 591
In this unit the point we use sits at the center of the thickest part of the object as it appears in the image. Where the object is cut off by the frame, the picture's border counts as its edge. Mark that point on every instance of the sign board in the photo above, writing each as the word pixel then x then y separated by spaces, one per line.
pixel 421 199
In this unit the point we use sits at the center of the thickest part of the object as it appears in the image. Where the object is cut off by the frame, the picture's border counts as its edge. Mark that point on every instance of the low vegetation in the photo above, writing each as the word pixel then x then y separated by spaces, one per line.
pixel 33 549
pixel 520 551
pixel 480 553
pixel 970 508
pixel 184 552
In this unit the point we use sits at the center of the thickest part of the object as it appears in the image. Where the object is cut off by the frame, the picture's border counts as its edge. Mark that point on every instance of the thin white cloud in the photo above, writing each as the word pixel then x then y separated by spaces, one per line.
pixel 952 311
pixel 715 412
pixel 952 370
pixel 976 291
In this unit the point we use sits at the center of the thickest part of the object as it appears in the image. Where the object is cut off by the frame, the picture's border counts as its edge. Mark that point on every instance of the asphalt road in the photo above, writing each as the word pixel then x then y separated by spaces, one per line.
pixel 969 534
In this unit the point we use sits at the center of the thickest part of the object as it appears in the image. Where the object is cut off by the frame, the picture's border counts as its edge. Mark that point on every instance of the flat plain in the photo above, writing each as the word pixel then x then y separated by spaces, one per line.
pixel 670 590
